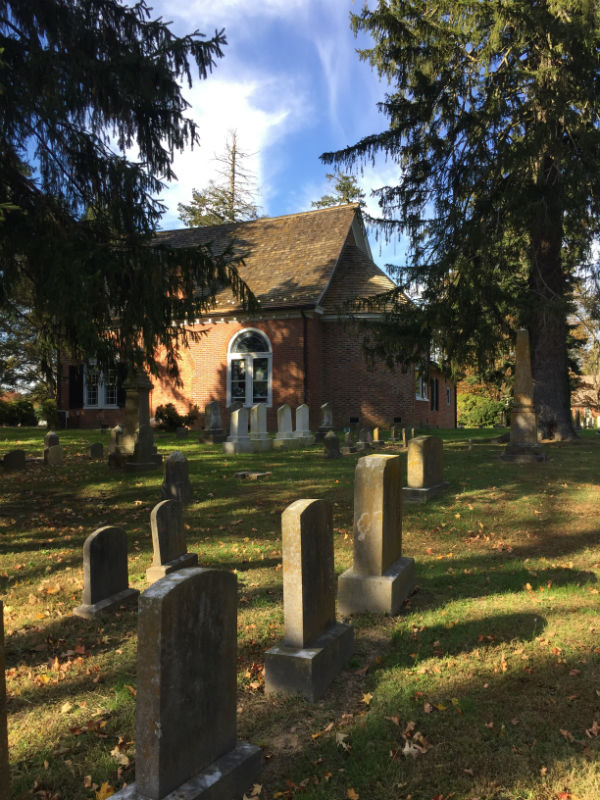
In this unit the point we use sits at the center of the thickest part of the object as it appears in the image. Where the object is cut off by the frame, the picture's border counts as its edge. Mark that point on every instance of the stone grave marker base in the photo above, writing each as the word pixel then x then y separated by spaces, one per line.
pixel 154 573
pixel 309 670
pixel 381 594
pixel 92 610
pixel 286 444
pixel 238 446
pixel 225 778
pixel 348 450
pixel 144 466
pixel 410 495
pixel 522 453
pixel 261 445
pixel 217 436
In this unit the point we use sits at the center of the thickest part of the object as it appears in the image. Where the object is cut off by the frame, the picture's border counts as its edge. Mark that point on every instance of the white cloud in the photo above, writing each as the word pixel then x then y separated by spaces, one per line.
pixel 218 106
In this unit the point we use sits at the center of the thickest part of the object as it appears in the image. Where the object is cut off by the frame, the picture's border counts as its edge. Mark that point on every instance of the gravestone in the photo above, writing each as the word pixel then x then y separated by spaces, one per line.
pixel 168 541
pixel 332 445
pixel 523 447
pixel 404 438
pixel 395 432
pixel 349 444
pixel 186 745
pixel 54 456
pixel 380 578
pixel 238 440
pixel 364 439
pixel 377 435
pixel 302 431
pixel 14 460
pixel 105 577
pixel 145 456
pixel 424 470
pixel 4 771
pixel 354 428
pixel 115 438
pixel 284 438
pixel 213 426
pixel 96 450
pixel 412 433
pixel 315 647
pixel 259 437
pixel 181 432
pixel 326 423
pixel 50 439
pixel 176 484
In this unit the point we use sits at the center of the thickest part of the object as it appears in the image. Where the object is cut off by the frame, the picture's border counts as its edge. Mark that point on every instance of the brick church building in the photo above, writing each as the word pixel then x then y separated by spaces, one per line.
pixel 302 268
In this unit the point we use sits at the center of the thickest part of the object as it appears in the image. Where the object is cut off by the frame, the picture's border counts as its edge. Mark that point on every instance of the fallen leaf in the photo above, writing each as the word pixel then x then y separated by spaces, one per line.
pixel 66 707
pixel 105 791
pixel 427 708
pixel 351 794
pixel 366 698
pixel 567 734
pixel 594 730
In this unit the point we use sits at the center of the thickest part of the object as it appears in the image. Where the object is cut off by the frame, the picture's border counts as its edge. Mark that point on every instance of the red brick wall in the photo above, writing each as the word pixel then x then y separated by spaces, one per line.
pixel 331 369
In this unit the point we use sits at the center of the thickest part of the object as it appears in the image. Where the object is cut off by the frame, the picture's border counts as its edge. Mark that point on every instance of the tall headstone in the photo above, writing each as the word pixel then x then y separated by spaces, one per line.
pixel 302 432
pixel 326 423
pixel 168 541
pixel 4 771
pixel 284 438
pixel 425 471
pixel 176 485
pixel 14 460
pixel 105 575
pixel 332 445
pixel 50 439
pixel 186 744
pixel 213 425
pixel 349 444
pixel 377 435
pixel 144 456
pixel 54 456
pixel 404 439
pixel 258 428
pixel 315 646
pixel 523 447
pixel 380 578
pixel 364 439
pixel 354 429
pixel 238 440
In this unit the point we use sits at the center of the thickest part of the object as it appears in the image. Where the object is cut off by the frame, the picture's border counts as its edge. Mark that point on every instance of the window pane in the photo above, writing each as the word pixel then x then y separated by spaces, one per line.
pixel 251 342
pixel 238 380
pixel 110 387
pixel 91 387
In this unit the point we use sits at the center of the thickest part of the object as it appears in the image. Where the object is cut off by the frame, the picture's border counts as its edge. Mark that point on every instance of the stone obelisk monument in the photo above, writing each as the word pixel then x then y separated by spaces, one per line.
pixel 523 447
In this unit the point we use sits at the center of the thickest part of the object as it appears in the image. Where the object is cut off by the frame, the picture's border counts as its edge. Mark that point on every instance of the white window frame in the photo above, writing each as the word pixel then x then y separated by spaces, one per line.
pixel 249 358
pixel 422 388
pixel 102 389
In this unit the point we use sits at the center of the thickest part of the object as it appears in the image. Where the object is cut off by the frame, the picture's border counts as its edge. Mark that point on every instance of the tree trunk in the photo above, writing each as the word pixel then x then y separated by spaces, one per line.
pixel 548 315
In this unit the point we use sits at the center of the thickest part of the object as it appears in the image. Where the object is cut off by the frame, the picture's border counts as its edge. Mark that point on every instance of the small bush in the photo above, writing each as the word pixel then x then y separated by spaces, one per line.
pixel 47 410
pixel 17 412
pixel 169 419
pixel 477 411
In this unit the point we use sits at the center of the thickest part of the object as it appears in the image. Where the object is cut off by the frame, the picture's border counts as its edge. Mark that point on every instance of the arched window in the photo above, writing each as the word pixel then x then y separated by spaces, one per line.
pixel 249 368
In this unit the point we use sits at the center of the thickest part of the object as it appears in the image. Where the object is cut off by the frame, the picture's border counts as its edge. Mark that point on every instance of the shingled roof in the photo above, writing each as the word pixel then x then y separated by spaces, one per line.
pixel 304 260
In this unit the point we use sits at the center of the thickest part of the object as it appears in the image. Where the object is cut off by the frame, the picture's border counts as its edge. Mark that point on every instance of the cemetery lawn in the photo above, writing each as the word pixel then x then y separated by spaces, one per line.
pixel 486 686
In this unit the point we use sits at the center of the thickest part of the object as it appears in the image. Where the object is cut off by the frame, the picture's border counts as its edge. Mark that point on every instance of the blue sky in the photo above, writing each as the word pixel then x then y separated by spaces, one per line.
pixel 293 86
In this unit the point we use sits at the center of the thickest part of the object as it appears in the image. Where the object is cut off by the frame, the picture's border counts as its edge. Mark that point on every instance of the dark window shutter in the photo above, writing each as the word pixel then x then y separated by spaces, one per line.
pixel 121 375
pixel 76 386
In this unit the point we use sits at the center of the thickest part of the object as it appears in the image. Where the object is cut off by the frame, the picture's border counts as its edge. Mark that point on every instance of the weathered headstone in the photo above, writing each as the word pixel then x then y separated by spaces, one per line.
pixel 332 445
pixel 186 746
pixel 425 476
pixel 258 428
pixel 4 771
pixel 284 438
pixel 176 484
pixel 349 444
pixel 238 440
pixel 181 432
pixel 14 460
pixel 168 541
pixel 115 438
pixel 105 575
pixel 145 456
pixel 376 435
pixel 302 431
pixel 395 432
pixel 412 433
pixel 404 438
pixel 213 426
pixel 50 439
pixel 54 456
pixel 354 429
pixel 326 423
pixel 315 646
pixel 364 439
pixel 380 578
pixel 523 447
pixel 96 450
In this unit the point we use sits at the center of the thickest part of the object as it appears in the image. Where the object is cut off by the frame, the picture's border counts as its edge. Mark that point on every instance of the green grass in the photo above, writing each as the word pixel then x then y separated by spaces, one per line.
pixel 489 677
